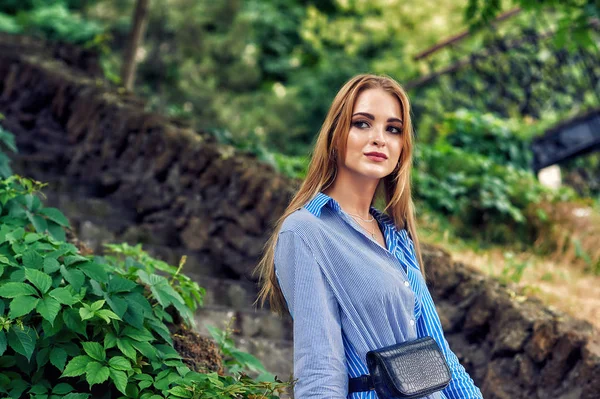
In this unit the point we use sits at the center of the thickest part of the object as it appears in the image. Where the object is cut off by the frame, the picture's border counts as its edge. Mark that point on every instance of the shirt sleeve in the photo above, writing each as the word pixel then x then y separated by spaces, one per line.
pixel 461 385
pixel 319 361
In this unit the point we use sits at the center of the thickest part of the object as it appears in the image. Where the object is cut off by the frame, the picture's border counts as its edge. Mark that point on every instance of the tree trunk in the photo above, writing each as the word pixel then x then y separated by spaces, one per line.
pixel 140 20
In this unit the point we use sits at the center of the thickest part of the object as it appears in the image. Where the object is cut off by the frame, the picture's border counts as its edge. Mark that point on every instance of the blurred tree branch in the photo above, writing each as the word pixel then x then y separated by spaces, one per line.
pixel 140 21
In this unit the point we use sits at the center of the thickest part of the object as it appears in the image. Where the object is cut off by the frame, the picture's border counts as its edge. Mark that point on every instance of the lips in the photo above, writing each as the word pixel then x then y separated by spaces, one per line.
pixel 376 156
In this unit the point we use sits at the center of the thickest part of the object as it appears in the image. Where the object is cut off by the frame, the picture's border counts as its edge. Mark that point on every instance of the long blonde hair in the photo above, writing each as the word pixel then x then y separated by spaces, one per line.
pixel 321 173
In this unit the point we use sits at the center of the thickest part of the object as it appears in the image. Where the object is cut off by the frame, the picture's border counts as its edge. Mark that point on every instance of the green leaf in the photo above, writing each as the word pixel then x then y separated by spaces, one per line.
pixel 75 277
pixel 120 380
pixel 38 389
pixel 76 366
pixel 73 321
pixel 180 392
pixel 13 290
pixel 119 363
pixel 3 344
pixel 22 340
pixel 49 308
pixel 117 304
pixel 33 260
pixel 73 259
pixel 63 295
pixel 120 284
pixel 62 388
pixel 148 350
pixel 110 340
pixel 58 233
pixel 51 265
pixel 42 357
pixel 39 279
pixel 32 237
pixel 76 396
pixel 18 276
pixel 248 360
pixel 94 350
pixel 134 316
pixel 21 306
pixel 126 348
pixel 107 315
pixel 97 305
pixel 18 386
pixel 38 222
pixel 58 357
pixel 96 373
pixel 7 361
pixel 55 215
pixel 138 335
pixel 85 312
pixel 95 271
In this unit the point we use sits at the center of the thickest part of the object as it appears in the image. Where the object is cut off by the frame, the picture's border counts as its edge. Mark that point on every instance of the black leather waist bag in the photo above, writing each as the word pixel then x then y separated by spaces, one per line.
pixel 411 369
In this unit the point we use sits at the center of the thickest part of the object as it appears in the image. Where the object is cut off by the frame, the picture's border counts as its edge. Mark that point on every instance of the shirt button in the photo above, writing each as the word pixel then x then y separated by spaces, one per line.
pixel 406 283
pixel 412 322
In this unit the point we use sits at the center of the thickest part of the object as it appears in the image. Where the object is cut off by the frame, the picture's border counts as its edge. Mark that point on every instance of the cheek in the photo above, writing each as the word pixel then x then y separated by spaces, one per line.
pixel 355 142
pixel 396 148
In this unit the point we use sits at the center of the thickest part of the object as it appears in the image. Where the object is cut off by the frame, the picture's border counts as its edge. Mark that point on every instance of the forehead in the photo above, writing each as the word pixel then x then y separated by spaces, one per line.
pixel 378 102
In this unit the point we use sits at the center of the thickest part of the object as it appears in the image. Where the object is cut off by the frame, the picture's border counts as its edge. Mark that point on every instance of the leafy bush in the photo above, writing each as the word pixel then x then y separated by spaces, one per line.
pixel 499 139
pixel 482 197
pixel 75 327
pixel 51 20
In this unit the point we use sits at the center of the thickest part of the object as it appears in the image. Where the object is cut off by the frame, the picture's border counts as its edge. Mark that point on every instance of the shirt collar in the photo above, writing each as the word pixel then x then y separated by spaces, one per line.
pixel 321 200
pixel 391 234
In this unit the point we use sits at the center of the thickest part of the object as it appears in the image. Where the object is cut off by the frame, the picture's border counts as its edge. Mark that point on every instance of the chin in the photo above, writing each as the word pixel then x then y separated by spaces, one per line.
pixel 372 173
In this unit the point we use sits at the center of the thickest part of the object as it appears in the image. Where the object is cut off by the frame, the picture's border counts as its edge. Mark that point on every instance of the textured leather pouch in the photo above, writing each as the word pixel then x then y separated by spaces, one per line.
pixel 410 369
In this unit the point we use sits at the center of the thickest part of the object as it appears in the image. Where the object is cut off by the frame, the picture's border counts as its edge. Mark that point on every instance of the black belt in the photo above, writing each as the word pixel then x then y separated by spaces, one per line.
pixel 360 384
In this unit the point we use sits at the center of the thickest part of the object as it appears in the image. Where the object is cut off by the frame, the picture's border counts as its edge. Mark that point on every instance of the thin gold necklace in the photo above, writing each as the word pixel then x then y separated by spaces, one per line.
pixel 364 220
pixel 372 232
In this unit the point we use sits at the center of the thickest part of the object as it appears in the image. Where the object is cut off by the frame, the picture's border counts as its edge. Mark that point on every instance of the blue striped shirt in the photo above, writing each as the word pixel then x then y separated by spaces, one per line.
pixel 348 295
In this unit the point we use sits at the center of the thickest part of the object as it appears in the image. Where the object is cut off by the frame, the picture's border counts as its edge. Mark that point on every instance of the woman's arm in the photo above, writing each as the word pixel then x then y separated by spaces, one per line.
pixel 319 361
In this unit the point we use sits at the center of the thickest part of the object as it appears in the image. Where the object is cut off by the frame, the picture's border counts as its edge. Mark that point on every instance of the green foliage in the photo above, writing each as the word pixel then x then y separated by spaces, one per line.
pixel 574 17
pixel 53 20
pixel 7 139
pixel 175 288
pixel 483 198
pixel 499 139
pixel 235 360
pixel 513 269
pixel 266 72
pixel 8 24
pixel 291 166
pixel 78 326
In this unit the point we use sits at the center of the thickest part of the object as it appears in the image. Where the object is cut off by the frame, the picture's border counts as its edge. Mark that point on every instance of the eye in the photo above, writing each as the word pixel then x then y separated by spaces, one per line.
pixel 394 130
pixel 360 124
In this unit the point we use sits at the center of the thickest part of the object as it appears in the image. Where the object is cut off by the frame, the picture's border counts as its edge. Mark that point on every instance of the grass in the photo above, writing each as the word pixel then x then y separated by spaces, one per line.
pixel 559 282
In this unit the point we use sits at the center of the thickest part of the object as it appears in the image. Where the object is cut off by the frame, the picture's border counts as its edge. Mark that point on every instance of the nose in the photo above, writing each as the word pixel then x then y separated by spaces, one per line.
pixel 378 136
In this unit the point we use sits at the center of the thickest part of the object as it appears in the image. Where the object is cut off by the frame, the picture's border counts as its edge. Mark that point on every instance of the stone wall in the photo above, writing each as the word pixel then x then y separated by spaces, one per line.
pixel 513 346
pixel 174 187
pixel 120 173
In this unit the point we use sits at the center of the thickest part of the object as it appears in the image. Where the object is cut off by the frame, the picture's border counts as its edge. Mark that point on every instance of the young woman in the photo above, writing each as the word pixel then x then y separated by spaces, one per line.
pixel 351 276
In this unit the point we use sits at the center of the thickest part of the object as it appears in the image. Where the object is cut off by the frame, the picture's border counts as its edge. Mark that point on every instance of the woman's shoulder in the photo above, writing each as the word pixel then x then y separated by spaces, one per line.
pixel 301 222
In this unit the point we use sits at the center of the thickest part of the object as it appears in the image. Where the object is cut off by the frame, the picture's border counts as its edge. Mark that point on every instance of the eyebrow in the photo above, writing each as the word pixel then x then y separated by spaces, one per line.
pixel 371 117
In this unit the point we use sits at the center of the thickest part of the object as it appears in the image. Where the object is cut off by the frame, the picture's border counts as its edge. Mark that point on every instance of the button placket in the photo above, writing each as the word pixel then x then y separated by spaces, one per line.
pixel 403 273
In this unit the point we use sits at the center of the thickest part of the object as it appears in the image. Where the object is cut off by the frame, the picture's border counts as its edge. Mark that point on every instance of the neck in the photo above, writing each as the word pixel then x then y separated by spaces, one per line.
pixel 354 195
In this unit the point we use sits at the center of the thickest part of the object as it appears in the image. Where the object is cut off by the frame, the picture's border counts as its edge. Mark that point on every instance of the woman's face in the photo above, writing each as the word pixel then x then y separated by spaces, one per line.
pixel 375 138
